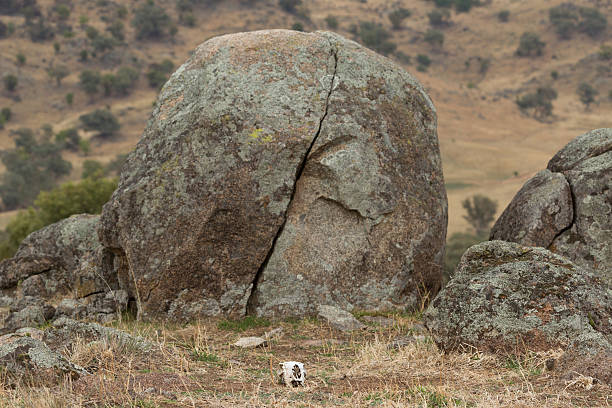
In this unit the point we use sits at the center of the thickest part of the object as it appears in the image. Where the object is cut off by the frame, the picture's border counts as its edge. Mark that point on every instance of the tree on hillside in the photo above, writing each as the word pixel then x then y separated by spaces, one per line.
pixel 587 93
pixel 89 81
pixel 374 36
pixel 150 21
pixel 101 120
pixel 530 44
pixel 290 6
pixel 58 72
pixel 398 16
pixel 480 212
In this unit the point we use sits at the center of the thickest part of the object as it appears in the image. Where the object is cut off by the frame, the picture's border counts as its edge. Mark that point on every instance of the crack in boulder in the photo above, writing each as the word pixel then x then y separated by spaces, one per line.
pixel 250 306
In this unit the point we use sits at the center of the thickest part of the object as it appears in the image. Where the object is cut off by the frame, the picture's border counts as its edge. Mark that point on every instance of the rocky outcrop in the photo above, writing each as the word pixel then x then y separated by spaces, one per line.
pixel 567 208
pixel 25 360
pixel 505 297
pixel 60 270
pixel 281 170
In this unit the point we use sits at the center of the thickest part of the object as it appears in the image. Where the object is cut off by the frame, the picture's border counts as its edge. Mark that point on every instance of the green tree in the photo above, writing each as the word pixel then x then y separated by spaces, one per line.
pixel 124 80
pixel 158 73
pixel 102 121
pixel 398 16
pixel 10 82
pixel 331 21
pixel 374 36
pixel 150 21
pixel 530 44
pixel 290 6
pixel 480 212
pixel 58 72
pixel 92 169
pixel 117 30
pixel 434 37
pixel 439 18
pixel 68 139
pixel 87 196
pixel 503 16
pixel 587 93
pixel 540 102
pixel 69 98
pixel 90 81
pixel 20 59
pixel 593 22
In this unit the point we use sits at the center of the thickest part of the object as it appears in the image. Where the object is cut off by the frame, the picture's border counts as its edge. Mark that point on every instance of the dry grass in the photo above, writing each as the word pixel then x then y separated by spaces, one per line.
pixel 195 366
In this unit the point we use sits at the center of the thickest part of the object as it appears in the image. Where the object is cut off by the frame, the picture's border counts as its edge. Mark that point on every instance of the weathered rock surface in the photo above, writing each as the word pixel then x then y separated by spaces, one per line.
pixel 541 209
pixel 59 264
pixel 506 297
pixel 27 360
pixel 250 342
pixel 283 170
pixel 538 212
pixel 339 319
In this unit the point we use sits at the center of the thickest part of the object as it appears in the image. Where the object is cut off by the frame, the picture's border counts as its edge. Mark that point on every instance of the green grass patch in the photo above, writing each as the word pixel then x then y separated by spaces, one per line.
pixel 249 322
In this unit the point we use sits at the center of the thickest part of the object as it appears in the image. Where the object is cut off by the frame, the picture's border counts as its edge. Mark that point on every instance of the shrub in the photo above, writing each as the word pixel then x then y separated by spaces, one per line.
pixel 423 60
pixel 150 21
pixel 439 18
pixel 6 114
pixel 290 6
pixel 20 59
pixel 30 168
pixel 92 169
pixel 158 73
pixel 56 47
pixel 587 93
pixel 554 75
pixel 332 22
pixel 374 36
pixel 3 30
pixel 106 80
pixel 593 22
pixel 187 19
pixel 398 16
pixel 69 98
pixel 83 55
pixel 10 82
pixel 540 102
pixel 564 18
pixel 102 121
pixel 39 31
pixel 102 43
pixel 58 72
pixel 464 6
pixel 124 80
pixel 87 196
pixel 530 44
pixel 91 32
pixel 605 52
pixel 62 11
pixel 480 212
pixel 434 37
pixel 297 26
pixel 89 81
pixel 503 16
pixel 444 3
pixel 68 139
pixel 117 30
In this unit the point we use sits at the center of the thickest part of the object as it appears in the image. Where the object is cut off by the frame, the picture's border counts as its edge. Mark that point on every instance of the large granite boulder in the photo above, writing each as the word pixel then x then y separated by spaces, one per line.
pixel 281 170
pixel 508 298
pixel 567 208
pixel 62 261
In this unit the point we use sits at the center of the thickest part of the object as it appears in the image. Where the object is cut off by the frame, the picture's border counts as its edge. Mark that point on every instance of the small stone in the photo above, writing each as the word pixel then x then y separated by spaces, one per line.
pixel 339 319
pixel 250 342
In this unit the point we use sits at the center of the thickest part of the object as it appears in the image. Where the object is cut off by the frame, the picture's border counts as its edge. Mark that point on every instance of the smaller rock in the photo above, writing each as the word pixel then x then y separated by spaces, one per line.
pixel 292 373
pixel 379 320
pixel 250 342
pixel 28 360
pixel 31 332
pixel 339 319
pixel 274 333
pixel 34 315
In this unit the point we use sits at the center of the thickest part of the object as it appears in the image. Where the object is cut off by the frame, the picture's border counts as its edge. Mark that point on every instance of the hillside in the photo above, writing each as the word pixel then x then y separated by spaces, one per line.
pixel 488 145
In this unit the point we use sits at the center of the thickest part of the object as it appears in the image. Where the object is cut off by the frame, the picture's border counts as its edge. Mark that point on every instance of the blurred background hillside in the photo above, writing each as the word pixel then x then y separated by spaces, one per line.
pixel 513 81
